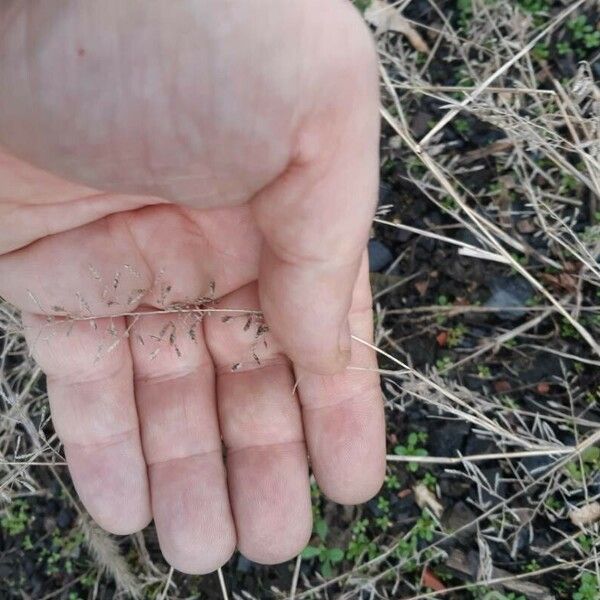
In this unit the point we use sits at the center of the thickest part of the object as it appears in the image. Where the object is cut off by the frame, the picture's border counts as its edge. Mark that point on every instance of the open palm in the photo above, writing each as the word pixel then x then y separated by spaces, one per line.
pixel 189 177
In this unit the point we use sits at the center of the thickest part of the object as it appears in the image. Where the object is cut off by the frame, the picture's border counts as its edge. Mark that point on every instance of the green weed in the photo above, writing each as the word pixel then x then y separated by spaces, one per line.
pixel 327 557
pixel 588 589
pixel 17 518
pixel 413 447
pixel 585 34
pixel 456 335
pixel 581 468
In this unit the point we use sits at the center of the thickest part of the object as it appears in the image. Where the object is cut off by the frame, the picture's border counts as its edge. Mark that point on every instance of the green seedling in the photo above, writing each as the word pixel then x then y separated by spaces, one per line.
pixel 62 552
pixel 441 364
pixel 554 504
pixel 449 203
pixel 442 300
pixel 589 588
pixel 327 557
pixel 392 483
pixel 16 519
pixel 532 565
pixel 407 548
pixel 360 545
pixel 465 12
pixel 456 335
pixel 484 371
pixel 462 126
pixel 413 447
pixel 541 51
pixel 534 6
pixel 584 33
pixel 581 468
pixel 585 543
pixel 429 480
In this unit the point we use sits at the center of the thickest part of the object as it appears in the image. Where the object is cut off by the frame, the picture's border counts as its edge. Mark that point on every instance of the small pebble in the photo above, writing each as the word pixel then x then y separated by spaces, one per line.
pixel 380 256
pixel 64 519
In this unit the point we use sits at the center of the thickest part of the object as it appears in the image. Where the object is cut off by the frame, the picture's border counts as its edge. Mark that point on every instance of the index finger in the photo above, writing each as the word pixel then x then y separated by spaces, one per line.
pixel 343 414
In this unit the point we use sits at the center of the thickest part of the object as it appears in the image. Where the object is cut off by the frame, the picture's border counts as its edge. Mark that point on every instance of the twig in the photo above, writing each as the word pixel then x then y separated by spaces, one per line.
pixel 295 577
pixel 222 584
pixel 165 590
pixel 456 460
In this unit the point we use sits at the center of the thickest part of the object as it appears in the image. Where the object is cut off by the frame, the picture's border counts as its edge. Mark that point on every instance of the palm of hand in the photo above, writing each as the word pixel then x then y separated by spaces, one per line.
pixel 143 402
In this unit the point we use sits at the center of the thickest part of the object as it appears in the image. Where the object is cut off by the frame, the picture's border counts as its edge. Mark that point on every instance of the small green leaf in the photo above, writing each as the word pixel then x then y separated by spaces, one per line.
pixel 573 470
pixel 321 529
pixel 591 454
pixel 311 552
pixel 335 555
pixel 326 569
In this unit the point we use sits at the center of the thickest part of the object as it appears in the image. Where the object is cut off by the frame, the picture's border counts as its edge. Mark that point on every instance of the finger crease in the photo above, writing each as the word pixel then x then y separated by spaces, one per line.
pixel 106 442
pixel 362 394
pixel 269 445
pixel 172 376
pixel 201 454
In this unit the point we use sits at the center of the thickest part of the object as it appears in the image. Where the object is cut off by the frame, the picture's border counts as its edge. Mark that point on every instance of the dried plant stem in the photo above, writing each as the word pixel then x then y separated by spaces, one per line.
pixel 503 69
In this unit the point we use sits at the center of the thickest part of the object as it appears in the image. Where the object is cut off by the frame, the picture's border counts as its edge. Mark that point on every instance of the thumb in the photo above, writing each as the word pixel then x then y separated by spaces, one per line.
pixel 315 220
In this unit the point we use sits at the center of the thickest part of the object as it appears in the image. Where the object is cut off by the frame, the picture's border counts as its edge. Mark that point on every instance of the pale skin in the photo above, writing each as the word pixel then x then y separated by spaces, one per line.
pixel 149 149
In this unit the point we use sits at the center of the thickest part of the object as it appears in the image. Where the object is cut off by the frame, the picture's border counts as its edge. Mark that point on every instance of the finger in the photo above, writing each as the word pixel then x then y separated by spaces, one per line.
pixel 174 385
pixel 343 414
pixel 113 265
pixel 262 429
pixel 316 216
pixel 90 385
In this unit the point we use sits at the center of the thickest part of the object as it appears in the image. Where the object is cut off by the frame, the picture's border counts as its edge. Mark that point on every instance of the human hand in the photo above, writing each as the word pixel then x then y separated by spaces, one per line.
pixel 169 153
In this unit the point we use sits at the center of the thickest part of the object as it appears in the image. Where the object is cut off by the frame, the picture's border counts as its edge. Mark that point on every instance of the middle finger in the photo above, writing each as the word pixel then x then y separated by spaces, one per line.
pixel 261 425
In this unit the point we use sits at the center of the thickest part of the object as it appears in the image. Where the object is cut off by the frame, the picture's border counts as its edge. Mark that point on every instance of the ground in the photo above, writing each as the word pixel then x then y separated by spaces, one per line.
pixel 486 280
